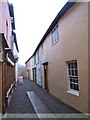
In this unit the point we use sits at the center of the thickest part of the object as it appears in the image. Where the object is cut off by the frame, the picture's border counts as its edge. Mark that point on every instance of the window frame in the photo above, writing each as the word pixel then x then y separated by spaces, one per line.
pixel 70 90
pixel 55 35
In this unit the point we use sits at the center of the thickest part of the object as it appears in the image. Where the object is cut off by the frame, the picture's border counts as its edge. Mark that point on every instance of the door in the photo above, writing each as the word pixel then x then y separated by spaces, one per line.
pixel 34 74
pixel 28 74
pixel 46 77
pixel 4 87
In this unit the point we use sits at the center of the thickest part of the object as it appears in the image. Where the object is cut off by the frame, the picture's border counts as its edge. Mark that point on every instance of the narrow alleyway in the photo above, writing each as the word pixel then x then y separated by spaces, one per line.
pixel 20 102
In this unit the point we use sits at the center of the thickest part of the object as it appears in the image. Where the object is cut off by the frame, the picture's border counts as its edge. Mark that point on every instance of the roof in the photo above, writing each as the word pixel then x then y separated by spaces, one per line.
pixel 15 40
pixel 28 59
pixel 66 7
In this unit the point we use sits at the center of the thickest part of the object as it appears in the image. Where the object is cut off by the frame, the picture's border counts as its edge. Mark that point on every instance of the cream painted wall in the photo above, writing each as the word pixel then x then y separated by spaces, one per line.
pixel 73 45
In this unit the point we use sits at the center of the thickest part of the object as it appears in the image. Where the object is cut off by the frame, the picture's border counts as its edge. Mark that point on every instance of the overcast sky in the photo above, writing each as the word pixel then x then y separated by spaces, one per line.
pixel 32 19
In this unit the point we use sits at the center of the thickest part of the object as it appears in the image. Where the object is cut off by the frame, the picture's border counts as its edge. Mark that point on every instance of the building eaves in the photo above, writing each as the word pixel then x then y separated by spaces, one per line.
pixel 15 40
pixel 66 7
pixel 11 11
pixel 28 59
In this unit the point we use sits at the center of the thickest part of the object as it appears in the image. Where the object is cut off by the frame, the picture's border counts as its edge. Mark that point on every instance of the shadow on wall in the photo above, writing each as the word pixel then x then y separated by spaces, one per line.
pixel 22 72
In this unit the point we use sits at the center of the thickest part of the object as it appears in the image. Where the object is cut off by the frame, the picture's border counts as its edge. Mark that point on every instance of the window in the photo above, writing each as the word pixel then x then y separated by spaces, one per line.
pixel 42 48
pixel 72 71
pixel 55 35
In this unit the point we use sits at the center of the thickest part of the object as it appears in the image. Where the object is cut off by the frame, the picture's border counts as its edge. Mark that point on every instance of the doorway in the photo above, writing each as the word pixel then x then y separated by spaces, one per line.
pixel 46 77
pixel 34 74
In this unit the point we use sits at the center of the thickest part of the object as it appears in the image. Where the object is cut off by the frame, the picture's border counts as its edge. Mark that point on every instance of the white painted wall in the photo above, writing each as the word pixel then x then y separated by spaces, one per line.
pixel 38 68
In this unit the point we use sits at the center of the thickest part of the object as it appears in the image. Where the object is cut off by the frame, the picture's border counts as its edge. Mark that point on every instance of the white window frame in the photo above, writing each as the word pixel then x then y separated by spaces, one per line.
pixel 70 90
pixel 55 35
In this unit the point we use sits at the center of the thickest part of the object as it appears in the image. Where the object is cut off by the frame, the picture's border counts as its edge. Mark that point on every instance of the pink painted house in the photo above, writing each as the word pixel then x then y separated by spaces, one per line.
pixel 6 26
pixel 8 53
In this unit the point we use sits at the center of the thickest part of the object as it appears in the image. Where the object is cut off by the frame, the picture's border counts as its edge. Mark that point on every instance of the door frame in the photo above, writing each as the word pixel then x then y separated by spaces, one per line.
pixel 45 66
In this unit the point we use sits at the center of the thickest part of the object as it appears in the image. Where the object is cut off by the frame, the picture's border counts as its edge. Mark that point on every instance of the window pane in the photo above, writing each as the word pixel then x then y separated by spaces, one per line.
pixel 57 33
pixel 76 87
pixel 76 73
pixel 52 37
pixel 71 79
pixel 71 85
pixel 75 81
pixel 71 65
pixel 75 64
pixel 69 72
pixel 68 65
pixel 73 72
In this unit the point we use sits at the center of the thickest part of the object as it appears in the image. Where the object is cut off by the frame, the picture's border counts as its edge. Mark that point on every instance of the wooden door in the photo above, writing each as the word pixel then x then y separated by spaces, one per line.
pixel 4 103
pixel 34 74
pixel 46 77
pixel 28 74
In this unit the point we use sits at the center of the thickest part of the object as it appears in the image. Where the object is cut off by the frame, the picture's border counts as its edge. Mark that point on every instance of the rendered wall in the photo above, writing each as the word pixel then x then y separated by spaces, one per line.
pixel 3 18
pixel 73 45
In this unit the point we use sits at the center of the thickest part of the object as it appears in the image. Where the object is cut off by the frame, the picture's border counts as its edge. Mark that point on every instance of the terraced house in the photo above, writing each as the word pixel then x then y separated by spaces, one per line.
pixel 62 56
pixel 28 68
pixel 8 53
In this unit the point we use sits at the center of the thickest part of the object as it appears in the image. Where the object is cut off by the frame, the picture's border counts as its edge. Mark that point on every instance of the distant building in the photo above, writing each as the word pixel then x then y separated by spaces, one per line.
pixel 62 56
pixel 8 53
pixel 28 68
pixel 22 71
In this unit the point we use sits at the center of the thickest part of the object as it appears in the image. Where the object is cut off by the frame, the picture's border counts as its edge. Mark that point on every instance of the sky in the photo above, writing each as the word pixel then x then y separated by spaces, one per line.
pixel 32 19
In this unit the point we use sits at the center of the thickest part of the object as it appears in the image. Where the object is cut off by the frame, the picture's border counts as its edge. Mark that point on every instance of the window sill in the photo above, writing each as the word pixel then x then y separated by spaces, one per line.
pixel 73 92
pixel 55 42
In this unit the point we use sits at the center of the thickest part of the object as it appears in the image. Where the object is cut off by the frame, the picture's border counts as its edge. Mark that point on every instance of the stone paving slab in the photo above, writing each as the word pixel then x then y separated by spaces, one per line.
pixel 38 105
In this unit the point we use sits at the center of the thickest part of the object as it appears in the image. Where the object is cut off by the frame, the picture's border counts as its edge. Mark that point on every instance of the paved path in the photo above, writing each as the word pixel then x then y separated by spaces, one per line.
pixel 20 102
